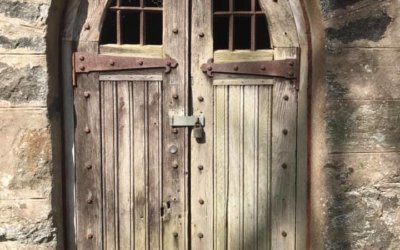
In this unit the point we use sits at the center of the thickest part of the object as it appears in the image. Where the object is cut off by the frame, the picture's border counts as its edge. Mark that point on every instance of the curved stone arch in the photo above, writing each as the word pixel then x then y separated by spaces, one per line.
pixel 288 28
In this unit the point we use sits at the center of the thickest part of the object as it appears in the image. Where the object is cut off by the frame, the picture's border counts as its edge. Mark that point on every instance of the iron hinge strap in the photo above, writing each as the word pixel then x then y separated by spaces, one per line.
pixel 287 68
pixel 86 62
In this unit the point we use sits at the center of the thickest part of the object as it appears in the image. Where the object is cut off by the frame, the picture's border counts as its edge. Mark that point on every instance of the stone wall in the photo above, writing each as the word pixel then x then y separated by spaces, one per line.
pixel 355 174
pixel 30 162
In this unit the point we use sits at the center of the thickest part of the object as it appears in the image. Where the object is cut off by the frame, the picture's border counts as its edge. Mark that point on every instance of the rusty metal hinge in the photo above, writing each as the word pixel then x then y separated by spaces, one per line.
pixel 87 62
pixel 287 68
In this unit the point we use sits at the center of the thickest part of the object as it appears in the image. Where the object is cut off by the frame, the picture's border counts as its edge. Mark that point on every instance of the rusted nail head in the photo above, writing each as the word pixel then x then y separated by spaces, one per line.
pixel 209 68
pixel 90 235
pixel 285 131
pixel 284 166
pixel 112 63
pixel 175 96
pixel 87 26
pixel 169 63
pixel 175 31
pixel 291 73
pixel 175 165
pixel 86 94
pixel 201 201
pixel 89 166
pixel 263 67
pixel 200 98
pixel 174 130
pixel 200 167
pixel 89 200
pixel 201 34
pixel 200 235
pixel 291 63
pixel 236 68
pixel 87 129
pixel 286 97
pixel 82 67
pixel 284 234
pixel 175 234
pixel 82 58
pixel 140 63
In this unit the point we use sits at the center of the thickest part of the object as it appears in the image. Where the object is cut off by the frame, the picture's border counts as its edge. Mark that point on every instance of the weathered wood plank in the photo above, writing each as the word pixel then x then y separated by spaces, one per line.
pixel 264 168
pixel 203 218
pixel 242 81
pixel 281 25
pixel 88 153
pixel 221 166
pixel 140 164
pixel 250 155
pixel 154 165
pixel 175 180
pixel 283 185
pixel 134 50
pixel 130 77
pixel 123 153
pixel 109 167
pixel 235 166
pixel 242 55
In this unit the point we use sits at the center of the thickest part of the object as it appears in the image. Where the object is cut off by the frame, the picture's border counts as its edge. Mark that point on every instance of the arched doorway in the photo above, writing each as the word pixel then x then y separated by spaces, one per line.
pixel 140 177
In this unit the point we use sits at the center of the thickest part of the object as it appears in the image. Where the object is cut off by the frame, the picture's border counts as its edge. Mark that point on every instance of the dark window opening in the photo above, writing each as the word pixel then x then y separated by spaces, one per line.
pixel 133 22
pixel 240 24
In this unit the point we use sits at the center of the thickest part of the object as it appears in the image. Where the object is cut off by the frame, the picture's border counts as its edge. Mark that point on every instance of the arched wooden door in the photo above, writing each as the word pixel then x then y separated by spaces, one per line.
pixel 143 181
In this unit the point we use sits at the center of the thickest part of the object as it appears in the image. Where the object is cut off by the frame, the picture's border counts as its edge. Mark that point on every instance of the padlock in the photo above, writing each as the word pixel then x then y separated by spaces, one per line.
pixel 198 131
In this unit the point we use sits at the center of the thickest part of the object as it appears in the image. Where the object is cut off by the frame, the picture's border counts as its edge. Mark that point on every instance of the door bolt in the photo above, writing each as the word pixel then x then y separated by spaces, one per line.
pixel 173 149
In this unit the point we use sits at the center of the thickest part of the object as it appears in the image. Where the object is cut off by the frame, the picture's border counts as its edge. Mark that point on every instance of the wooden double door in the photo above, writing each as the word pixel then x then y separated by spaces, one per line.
pixel 142 183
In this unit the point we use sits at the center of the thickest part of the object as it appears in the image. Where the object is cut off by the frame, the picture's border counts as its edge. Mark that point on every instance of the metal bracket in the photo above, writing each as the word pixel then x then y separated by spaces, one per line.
pixel 187 121
pixel 87 62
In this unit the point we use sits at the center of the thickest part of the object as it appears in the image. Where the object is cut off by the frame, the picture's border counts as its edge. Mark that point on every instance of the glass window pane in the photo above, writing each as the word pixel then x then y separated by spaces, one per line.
pixel 242 5
pixel 109 31
pixel 153 3
pixel 130 22
pixel 153 28
pixel 262 35
pixel 242 32
pixel 221 5
pixel 221 32
pixel 130 2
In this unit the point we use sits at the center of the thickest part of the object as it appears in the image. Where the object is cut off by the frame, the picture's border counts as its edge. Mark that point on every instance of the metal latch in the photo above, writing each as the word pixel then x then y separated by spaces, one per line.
pixel 187 121
pixel 197 122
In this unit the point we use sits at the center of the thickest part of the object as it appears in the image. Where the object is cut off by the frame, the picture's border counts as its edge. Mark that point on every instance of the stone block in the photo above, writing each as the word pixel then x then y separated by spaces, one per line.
pixel 363 126
pixel 362 201
pixel 25 154
pixel 23 81
pixel 363 74
pixel 26 222
pixel 366 24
